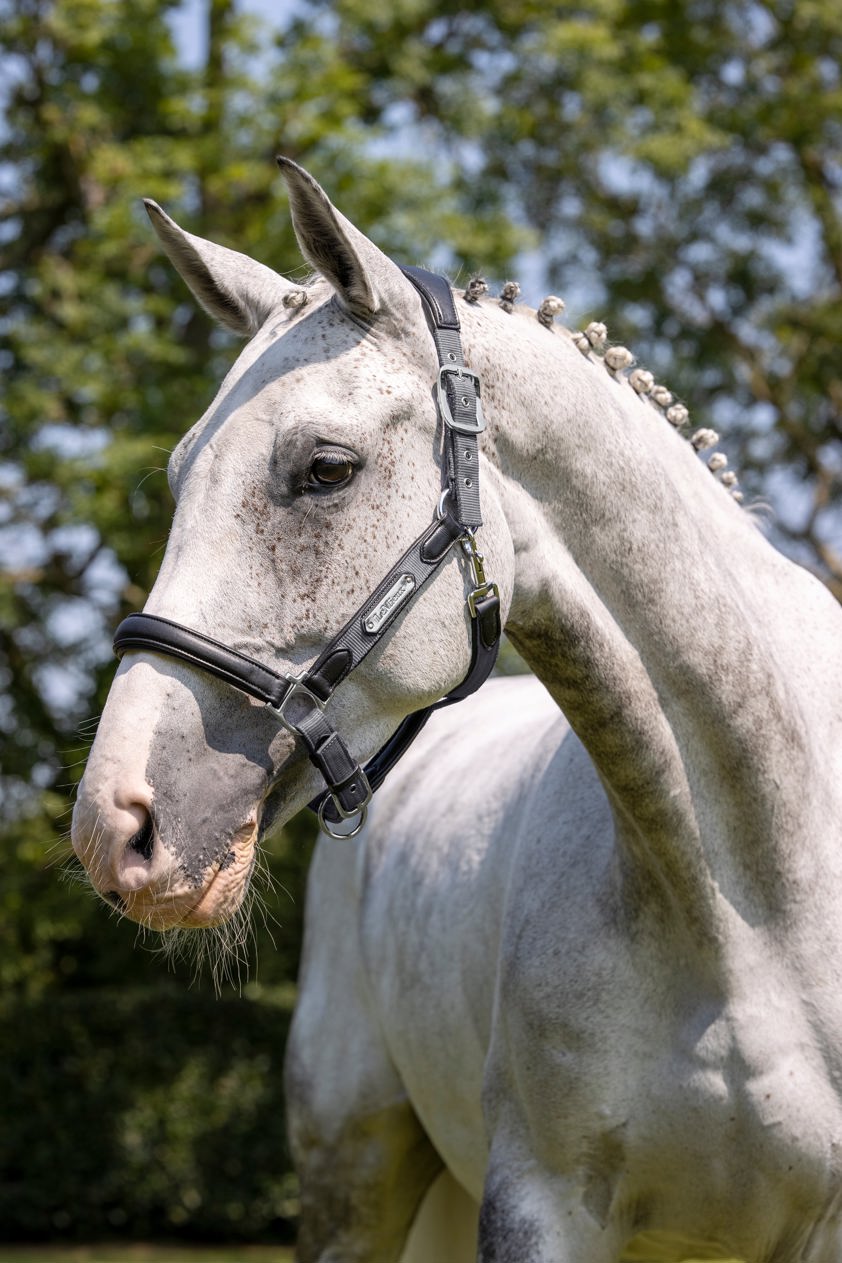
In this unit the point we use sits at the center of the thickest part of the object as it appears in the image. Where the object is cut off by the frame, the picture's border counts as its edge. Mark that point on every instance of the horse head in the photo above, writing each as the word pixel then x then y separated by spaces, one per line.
pixel 317 463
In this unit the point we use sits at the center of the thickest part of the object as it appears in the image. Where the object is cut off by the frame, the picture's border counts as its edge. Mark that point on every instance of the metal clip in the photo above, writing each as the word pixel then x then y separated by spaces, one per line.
pixel 482 588
pixel 475 557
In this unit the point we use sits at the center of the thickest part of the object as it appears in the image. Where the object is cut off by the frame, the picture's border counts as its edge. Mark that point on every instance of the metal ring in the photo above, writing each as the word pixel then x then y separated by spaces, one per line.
pixel 326 824
pixel 440 511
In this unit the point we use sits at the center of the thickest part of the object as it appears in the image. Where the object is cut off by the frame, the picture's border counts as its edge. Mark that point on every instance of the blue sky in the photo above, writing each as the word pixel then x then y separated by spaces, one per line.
pixel 188 23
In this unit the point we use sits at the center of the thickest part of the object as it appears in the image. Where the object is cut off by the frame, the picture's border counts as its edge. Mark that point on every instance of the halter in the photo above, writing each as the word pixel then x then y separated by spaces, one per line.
pixel 299 701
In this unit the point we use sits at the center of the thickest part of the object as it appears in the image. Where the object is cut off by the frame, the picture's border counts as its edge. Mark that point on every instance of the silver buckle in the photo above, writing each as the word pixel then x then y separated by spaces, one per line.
pixel 295 689
pixel 461 427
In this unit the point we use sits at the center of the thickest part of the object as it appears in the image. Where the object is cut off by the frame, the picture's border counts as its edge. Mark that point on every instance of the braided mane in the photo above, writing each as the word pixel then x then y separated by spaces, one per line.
pixel 620 362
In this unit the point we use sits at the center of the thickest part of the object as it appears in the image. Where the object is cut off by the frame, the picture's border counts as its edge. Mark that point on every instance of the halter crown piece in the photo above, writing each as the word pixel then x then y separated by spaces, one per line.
pixel 300 701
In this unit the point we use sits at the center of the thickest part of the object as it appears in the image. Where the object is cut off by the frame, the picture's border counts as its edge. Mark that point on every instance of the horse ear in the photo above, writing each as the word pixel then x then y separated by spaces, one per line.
pixel 237 291
pixel 360 273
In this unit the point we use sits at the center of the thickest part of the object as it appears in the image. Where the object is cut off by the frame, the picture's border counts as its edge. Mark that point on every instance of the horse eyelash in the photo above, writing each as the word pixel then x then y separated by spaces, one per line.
pixel 333 456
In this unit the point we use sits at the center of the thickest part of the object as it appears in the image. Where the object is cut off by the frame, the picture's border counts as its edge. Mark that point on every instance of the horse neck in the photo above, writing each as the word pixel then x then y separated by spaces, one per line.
pixel 699 667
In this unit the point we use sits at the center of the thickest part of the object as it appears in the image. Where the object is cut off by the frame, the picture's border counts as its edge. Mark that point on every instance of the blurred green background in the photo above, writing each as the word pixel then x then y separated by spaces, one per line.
pixel 671 168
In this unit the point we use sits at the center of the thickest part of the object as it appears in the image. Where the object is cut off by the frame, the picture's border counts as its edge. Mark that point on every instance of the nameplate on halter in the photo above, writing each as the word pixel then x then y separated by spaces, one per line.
pixel 379 614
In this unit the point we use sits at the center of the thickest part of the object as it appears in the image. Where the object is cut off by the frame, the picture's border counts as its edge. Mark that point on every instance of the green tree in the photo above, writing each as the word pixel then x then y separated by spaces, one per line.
pixel 106 360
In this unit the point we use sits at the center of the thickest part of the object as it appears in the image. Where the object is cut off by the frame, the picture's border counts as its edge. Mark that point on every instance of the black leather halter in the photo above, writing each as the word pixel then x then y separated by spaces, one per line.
pixel 299 701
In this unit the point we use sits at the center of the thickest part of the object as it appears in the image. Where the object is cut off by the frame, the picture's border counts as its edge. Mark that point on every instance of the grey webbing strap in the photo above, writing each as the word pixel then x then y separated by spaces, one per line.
pixel 345 778
pixel 462 448
pixel 457 394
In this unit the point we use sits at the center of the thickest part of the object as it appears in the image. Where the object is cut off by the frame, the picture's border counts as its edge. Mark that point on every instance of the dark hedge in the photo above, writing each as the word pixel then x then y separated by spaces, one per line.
pixel 144 1114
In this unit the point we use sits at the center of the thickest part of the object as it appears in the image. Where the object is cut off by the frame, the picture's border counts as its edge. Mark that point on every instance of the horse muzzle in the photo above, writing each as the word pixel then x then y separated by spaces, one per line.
pixel 133 868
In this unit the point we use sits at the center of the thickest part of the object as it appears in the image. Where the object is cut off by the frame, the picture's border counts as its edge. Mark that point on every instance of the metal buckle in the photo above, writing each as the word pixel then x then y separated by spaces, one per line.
pixel 461 427
pixel 296 689
pixel 361 811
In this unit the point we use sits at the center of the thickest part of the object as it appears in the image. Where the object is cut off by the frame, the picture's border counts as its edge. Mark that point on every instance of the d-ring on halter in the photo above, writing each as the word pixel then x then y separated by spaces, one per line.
pixel 299 701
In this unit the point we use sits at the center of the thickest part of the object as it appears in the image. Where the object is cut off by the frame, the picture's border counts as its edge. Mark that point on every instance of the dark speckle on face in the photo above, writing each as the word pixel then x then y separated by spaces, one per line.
pixel 277 568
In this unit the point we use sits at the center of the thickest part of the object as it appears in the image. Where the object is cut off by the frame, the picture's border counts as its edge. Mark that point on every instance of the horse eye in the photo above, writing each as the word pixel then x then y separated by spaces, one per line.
pixel 330 469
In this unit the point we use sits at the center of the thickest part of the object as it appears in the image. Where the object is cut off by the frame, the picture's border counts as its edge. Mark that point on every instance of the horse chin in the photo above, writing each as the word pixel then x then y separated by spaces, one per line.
pixel 220 896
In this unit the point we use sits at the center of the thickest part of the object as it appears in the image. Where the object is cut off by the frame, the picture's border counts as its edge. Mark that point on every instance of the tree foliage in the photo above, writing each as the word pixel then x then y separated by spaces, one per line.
pixel 107 361
pixel 139 1114
pixel 674 166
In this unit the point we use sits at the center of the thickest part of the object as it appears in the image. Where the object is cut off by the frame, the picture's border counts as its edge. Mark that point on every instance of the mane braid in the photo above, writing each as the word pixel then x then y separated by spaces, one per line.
pixel 620 362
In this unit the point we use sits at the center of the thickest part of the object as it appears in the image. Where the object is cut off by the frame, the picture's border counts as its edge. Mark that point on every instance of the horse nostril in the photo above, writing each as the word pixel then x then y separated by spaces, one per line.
pixel 144 840
pixel 137 860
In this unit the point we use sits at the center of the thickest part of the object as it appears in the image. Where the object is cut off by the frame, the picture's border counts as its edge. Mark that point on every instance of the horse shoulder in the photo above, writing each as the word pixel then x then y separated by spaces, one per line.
pixel 458 847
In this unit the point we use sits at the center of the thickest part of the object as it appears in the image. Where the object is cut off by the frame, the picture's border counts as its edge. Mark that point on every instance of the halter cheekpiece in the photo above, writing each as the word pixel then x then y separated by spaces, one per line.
pixel 300 701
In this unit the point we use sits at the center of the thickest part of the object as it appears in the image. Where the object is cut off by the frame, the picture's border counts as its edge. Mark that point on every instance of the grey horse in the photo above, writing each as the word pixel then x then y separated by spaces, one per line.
pixel 586 958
